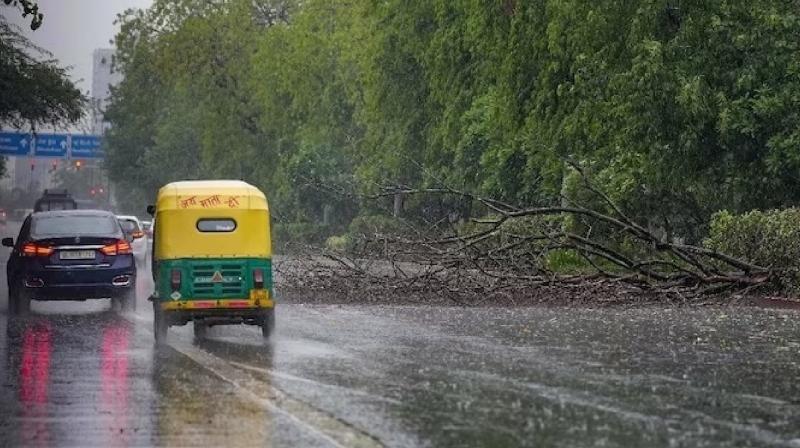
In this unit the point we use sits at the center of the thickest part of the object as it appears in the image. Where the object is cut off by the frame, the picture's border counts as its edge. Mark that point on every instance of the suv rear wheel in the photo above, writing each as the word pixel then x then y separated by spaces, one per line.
pixel 125 303
pixel 23 303
pixel 13 309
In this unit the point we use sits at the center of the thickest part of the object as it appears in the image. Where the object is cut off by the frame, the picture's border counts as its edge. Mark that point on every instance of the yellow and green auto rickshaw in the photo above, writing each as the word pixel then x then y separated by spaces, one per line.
pixel 212 256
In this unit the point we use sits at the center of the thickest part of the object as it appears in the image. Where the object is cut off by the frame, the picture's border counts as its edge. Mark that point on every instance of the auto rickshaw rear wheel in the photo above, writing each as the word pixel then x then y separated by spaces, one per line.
pixel 268 322
pixel 200 329
pixel 160 324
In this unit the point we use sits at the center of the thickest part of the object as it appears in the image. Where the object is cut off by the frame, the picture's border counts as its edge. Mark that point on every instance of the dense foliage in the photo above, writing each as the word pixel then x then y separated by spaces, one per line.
pixel 676 108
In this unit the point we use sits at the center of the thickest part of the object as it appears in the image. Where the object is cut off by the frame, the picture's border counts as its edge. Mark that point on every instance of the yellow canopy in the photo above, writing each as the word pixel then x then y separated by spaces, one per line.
pixel 181 205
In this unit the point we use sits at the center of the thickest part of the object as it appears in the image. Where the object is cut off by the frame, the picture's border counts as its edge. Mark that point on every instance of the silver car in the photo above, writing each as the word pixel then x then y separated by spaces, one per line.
pixel 134 233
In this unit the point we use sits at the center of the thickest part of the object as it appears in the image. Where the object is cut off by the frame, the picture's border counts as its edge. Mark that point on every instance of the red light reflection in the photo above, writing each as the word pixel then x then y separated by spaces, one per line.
pixel 114 376
pixel 34 373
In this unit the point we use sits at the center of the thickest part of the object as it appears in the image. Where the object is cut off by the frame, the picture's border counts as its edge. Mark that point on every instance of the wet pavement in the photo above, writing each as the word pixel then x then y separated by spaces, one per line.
pixel 77 374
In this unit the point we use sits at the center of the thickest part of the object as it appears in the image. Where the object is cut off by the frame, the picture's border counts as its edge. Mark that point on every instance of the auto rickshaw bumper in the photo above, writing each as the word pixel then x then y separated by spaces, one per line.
pixel 218 311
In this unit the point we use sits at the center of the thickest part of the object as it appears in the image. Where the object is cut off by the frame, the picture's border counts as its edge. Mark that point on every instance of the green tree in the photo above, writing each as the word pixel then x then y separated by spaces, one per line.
pixel 28 8
pixel 36 92
pixel 676 109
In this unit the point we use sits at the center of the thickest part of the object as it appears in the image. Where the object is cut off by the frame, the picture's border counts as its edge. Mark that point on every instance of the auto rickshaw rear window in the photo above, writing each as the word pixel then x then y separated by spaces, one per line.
pixel 216 225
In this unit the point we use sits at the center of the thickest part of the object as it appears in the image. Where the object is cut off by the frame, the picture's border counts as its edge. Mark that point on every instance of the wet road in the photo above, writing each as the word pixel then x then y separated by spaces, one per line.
pixel 75 373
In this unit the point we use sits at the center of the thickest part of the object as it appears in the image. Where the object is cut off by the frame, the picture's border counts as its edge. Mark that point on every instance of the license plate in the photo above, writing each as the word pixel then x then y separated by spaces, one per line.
pixel 76 255
pixel 219 280
pixel 258 294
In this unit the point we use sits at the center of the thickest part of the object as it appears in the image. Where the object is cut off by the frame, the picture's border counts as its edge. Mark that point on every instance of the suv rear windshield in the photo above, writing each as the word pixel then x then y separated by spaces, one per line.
pixel 85 225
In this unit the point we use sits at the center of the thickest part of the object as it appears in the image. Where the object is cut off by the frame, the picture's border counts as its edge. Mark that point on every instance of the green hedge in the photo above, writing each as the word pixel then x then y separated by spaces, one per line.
pixel 768 238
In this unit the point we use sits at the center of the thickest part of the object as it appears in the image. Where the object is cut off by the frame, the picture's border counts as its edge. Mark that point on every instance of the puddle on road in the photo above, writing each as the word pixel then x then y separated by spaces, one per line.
pixel 68 379
pixel 555 377
pixel 410 376
pixel 306 348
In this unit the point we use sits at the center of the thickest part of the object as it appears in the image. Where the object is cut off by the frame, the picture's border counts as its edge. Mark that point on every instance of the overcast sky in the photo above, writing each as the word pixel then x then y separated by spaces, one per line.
pixel 72 29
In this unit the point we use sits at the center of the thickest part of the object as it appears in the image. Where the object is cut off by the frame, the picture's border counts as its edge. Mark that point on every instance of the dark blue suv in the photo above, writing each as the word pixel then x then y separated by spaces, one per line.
pixel 70 255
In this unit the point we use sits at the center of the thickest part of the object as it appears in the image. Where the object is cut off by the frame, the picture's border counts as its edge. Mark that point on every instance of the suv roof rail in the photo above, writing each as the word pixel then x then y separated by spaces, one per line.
pixel 55 199
pixel 56 192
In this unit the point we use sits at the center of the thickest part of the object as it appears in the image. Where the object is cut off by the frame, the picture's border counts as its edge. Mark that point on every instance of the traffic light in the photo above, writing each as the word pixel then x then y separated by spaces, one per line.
pixel 78 164
pixel 92 191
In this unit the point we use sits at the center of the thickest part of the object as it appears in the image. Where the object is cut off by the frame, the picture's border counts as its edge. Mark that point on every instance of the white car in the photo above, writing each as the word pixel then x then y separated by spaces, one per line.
pixel 133 231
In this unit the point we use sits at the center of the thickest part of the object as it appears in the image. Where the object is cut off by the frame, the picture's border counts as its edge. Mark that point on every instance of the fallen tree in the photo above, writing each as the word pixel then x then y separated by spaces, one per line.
pixel 508 255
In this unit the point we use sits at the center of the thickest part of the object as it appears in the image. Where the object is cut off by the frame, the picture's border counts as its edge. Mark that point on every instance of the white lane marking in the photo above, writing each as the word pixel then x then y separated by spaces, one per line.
pixel 327 427
pixel 315 383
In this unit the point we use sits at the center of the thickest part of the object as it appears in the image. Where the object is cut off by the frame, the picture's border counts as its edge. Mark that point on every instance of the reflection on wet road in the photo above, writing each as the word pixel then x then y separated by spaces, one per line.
pixel 69 376
pixel 78 374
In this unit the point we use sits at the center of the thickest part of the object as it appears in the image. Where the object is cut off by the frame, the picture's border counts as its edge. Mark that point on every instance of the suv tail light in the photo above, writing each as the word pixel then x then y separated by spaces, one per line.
pixel 175 279
pixel 36 250
pixel 121 247
pixel 258 278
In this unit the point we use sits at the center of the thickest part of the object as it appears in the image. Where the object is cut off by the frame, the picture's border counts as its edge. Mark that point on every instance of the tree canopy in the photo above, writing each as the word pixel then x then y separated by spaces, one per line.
pixel 36 91
pixel 678 109
pixel 28 8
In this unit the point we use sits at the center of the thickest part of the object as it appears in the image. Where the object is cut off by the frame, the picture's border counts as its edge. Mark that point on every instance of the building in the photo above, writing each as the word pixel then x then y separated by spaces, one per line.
pixel 104 76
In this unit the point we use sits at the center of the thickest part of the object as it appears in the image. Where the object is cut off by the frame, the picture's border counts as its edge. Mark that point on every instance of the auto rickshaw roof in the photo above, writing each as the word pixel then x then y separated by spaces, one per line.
pixel 211 194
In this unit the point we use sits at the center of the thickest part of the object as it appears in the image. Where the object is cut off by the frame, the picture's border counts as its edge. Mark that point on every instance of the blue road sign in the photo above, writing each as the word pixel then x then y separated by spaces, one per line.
pixel 86 147
pixel 50 145
pixel 14 144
